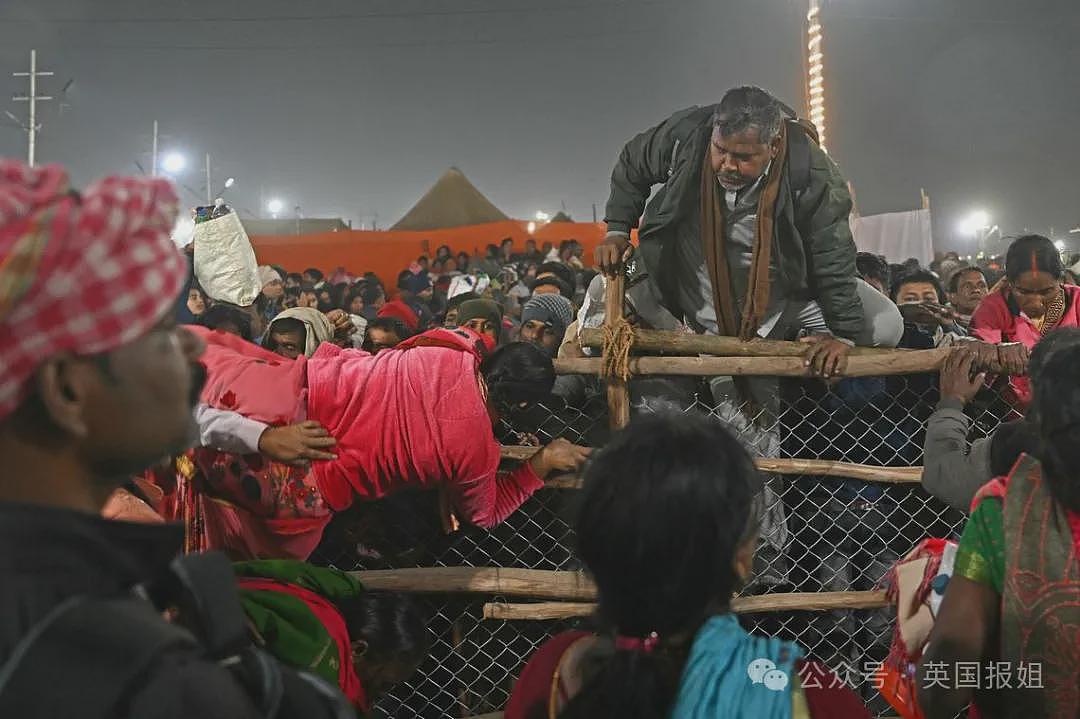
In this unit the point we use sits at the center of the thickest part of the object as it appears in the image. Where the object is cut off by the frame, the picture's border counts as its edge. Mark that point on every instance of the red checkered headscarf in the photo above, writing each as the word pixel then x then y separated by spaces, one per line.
pixel 79 273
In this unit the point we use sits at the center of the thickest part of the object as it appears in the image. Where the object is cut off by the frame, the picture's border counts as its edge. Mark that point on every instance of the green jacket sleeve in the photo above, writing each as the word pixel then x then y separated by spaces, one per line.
pixel 642 164
pixel 821 215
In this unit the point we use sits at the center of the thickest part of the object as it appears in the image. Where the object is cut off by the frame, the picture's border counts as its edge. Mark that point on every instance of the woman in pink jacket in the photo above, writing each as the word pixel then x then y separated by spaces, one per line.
pixel 417 417
pixel 1029 303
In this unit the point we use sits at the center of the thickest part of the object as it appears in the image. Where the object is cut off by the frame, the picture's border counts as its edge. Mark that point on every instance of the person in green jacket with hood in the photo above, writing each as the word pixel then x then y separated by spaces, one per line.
pixel 749 234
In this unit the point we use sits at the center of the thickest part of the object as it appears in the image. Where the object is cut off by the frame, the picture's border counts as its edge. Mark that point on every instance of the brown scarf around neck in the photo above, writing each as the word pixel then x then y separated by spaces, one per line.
pixel 713 240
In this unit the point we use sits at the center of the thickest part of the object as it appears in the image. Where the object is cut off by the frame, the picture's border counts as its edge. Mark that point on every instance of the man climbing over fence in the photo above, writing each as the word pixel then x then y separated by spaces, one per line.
pixel 749 235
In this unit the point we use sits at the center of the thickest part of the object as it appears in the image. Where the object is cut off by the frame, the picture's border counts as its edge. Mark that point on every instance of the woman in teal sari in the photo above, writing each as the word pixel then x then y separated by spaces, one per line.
pixel 321 620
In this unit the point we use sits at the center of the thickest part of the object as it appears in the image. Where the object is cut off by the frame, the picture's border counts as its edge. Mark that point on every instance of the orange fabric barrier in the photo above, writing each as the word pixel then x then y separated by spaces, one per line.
pixel 387 253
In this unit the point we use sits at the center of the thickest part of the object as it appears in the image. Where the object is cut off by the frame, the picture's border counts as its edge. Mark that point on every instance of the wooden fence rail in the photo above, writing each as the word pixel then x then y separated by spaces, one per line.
pixel 876 365
pixel 780 602
pixel 574 591
pixel 815 467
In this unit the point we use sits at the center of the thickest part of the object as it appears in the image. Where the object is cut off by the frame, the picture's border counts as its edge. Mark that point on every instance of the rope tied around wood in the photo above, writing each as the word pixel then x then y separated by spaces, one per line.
pixel 618 339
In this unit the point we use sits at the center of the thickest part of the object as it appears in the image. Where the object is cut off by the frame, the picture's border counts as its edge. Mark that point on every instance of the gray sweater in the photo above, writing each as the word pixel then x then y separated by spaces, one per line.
pixel 951 471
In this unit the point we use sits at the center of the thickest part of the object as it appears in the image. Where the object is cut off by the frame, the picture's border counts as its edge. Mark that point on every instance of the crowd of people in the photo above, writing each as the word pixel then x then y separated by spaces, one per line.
pixel 147 425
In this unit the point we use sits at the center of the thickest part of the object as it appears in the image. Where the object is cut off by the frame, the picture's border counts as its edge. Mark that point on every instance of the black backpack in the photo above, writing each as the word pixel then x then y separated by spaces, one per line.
pixel 109 645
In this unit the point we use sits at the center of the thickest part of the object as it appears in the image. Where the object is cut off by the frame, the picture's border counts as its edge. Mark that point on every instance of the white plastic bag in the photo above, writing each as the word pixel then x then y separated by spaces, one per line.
pixel 225 264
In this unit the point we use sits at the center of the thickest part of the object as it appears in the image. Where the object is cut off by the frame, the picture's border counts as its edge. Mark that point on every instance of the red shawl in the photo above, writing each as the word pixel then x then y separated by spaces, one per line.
pixel 331 619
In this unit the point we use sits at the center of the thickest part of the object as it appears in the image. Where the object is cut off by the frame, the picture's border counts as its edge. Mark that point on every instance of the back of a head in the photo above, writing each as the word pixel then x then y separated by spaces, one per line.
pixel 664 509
pixel 314 273
pixel 871 266
pixel 517 372
pixel 222 314
pixel 748 107
pixel 1056 408
pixel 392 626
pixel 558 269
pixel 1033 253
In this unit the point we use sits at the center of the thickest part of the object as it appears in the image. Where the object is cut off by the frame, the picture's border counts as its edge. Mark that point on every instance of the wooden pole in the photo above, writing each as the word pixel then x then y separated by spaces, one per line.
pixel 576 588
pixel 879 365
pixel 779 602
pixel 533 583
pixel 686 343
pixel 815 467
pixel 618 390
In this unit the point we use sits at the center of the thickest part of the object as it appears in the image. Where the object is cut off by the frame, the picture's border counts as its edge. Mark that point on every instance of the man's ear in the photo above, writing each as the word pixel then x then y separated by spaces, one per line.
pixel 63 385
pixel 774 146
pixel 359 648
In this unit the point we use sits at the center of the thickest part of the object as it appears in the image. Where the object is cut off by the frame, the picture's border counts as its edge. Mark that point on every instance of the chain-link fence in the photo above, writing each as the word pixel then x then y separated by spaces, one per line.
pixel 820 533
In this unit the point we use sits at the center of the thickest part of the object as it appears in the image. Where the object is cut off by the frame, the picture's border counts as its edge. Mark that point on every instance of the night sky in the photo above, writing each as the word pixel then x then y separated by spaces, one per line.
pixel 355 108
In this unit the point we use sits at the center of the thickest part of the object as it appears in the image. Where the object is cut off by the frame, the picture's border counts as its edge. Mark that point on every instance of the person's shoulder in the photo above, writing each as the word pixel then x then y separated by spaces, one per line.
pixel 182 684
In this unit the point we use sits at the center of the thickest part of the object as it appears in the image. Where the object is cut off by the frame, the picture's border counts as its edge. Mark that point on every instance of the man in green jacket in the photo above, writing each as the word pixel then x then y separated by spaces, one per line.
pixel 749 234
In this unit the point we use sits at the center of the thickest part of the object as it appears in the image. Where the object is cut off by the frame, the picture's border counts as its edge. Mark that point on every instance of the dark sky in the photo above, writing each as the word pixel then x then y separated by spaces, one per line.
pixel 355 108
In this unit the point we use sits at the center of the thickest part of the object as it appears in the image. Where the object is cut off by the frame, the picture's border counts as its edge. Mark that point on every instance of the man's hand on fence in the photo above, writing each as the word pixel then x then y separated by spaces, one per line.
pixel 559 456
pixel 1013 358
pixel 956 380
pixel 826 356
pixel 611 253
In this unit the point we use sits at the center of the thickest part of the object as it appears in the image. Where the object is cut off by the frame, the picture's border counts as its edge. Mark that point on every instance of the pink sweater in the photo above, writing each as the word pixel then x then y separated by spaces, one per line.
pixel 404 418
pixel 995 322
pixel 411 418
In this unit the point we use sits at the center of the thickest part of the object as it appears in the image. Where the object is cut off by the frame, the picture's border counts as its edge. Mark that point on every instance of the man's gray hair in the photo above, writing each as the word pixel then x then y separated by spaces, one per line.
pixel 749 107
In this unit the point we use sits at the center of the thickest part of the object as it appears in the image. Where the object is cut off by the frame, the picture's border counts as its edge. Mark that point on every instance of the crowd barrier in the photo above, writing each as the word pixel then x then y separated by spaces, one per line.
pixel 842 465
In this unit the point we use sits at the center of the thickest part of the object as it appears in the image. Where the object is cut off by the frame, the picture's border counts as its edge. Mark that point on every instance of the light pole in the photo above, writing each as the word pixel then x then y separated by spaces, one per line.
pixel 274 207
pixel 815 67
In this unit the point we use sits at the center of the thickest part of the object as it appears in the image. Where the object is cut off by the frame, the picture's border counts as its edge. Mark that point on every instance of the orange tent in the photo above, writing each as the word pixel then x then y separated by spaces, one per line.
pixel 386 253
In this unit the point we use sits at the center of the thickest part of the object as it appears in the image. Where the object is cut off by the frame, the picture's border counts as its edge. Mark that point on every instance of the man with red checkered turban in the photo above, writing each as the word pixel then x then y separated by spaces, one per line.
pixel 96 383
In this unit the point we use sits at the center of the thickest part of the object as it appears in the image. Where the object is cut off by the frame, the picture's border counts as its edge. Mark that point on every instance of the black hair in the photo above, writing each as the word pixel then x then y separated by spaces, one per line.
pixel 402 279
pixel 505 240
pixel 518 372
pixel 449 252
pixel 747 107
pixel 285 324
pixel 1033 253
pixel 921 276
pixel 423 258
pixel 696 485
pixel 386 324
pixel 223 314
pixel 564 289
pixel 1056 406
pixel 371 293
pixel 954 278
pixel 308 287
pixel 1008 442
pixel 392 625
pixel 873 267
pixel 317 274
pixel 560 270
pixel 280 271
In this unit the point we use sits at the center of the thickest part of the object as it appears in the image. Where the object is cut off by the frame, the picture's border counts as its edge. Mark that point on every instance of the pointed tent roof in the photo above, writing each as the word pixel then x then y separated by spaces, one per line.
pixel 561 216
pixel 453 201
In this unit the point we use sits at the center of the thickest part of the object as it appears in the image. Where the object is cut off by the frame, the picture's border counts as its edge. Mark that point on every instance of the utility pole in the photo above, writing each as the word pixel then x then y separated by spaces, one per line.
pixel 153 161
pixel 209 187
pixel 33 98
